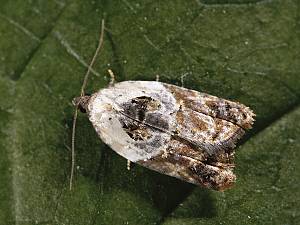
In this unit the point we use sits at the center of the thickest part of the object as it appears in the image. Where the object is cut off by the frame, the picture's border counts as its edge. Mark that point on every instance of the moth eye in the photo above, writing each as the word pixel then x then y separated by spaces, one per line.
pixel 83 110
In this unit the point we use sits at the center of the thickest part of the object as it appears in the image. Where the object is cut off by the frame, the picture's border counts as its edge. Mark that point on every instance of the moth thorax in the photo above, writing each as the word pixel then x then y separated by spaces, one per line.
pixel 82 102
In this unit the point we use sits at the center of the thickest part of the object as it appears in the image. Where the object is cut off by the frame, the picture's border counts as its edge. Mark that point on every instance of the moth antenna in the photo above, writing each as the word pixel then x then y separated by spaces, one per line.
pixel 182 79
pixel 94 58
pixel 73 147
pixel 86 76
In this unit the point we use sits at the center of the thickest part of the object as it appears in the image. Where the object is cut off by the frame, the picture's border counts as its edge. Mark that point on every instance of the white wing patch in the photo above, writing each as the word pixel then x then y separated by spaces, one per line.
pixel 106 113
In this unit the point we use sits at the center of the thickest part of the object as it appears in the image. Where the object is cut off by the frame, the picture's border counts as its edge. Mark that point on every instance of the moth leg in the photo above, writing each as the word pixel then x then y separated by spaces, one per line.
pixel 128 164
pixel 112 78
pixel 157 78
pixel 182 79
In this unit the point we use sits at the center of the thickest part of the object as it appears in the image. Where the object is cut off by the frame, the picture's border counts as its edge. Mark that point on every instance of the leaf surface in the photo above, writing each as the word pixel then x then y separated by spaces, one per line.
pixel 247 51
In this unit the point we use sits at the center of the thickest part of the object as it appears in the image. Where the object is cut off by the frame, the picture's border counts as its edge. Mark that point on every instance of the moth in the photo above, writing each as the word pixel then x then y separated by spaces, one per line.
pixel 170 129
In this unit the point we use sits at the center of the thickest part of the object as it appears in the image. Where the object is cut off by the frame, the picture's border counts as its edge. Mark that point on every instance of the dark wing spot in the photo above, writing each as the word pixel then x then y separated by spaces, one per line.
pixel 157 120
pixel 139 106
pixel 139 115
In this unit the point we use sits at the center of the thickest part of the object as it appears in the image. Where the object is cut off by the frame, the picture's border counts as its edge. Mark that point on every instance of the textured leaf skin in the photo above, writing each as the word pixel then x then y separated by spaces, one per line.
pixel 242 50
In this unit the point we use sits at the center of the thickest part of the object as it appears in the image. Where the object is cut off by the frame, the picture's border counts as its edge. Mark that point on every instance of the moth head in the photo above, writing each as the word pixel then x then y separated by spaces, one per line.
pixel 81 103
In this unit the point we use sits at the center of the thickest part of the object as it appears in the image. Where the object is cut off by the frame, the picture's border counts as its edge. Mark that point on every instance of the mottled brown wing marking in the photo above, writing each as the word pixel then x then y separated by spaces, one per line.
pixel 234 112
pixel 210 134
pixel 212 177
pixel 185 148
pixel 200 125
pixel 183 161
pixel 226 134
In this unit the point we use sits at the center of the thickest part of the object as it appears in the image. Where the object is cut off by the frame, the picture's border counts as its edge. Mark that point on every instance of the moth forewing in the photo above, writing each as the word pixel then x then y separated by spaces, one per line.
pixel 173 130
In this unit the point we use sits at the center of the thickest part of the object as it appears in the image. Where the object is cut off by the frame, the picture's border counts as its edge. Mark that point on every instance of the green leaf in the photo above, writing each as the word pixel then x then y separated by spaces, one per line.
pixel 241 50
